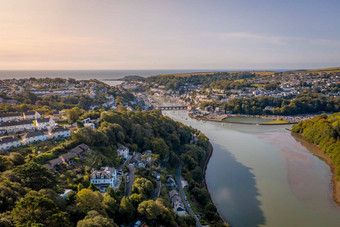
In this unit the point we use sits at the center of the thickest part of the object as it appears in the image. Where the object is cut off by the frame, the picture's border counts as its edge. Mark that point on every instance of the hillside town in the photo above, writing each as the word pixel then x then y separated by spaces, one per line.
pixel 211 100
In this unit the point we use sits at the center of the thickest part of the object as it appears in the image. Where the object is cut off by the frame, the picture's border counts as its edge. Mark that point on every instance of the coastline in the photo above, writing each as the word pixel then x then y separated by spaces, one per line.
pixel 322 155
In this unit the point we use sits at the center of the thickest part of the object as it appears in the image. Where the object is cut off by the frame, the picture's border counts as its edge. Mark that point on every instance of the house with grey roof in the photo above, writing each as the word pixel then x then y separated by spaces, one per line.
pixel 10 117
pixel 177 203
pixel 31 115
pixel 58 133
pixel 54 164
pixel 45 123
pixel 8 142
pixel 68 158
pixel 15 126
pixel 33 137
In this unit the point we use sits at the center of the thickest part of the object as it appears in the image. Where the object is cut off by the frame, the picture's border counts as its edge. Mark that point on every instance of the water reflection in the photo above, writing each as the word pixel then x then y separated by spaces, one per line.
pixel 262 176
pixel 234 186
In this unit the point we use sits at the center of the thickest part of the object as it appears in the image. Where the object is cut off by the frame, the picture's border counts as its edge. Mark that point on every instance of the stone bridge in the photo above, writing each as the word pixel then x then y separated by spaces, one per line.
pixel 172 107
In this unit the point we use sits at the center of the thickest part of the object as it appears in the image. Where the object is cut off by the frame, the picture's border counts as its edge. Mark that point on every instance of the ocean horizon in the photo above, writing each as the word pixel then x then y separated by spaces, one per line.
pixel 107 74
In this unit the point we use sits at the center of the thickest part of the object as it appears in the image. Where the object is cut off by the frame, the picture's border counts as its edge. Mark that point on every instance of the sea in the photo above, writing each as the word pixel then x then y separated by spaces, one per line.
pixel 105 74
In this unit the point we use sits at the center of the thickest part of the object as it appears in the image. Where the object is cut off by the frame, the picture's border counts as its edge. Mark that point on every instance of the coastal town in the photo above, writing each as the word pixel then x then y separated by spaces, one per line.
pixel 210 101
pixel 64 112
pixel 47 135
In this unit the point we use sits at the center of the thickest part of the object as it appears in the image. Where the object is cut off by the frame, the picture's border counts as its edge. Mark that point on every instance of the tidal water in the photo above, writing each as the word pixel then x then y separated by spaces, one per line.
pixel 263 176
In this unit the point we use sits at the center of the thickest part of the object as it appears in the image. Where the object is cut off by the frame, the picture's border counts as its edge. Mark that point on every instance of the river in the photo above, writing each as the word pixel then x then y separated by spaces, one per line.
pixel 263 176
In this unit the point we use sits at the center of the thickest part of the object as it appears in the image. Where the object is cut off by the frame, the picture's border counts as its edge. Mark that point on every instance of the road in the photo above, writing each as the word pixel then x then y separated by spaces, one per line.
pixel 122 165
pixel 182 194
pixel 131 174
pixel 157 190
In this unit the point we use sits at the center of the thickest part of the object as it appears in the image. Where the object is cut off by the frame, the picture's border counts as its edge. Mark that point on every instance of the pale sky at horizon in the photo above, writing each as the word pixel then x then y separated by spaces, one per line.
pixel 177 34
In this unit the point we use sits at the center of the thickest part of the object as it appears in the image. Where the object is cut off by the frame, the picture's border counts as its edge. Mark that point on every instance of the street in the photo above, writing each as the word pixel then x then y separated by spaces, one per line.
pixel 131 175
pixel 182 194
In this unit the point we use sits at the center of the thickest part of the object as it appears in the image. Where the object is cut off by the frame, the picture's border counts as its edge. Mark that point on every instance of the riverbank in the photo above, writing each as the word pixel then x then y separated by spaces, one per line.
pixel 221 119
pixel 210 152
pixel 322 155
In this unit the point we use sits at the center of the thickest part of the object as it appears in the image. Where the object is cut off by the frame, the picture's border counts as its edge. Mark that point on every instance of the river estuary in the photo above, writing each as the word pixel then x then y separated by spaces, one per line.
pixel 263 176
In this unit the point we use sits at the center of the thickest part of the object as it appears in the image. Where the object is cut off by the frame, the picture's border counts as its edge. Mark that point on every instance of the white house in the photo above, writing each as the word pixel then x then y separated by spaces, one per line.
pixel 10 117
pixel 31 115
pixel 123 151
pixel 90 125
pixel 33 137
pixel 103 178
pixel 58 133
pixel 16 126
pixel 45 123
pixel 9 142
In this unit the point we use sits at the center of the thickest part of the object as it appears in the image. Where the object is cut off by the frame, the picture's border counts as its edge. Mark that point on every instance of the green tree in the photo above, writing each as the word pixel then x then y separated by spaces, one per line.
pixel 10 192
pixel 160 147
pixel 143 186
pixel 88 200
pixel 126 210
pixel 16 158
pixel 155 212
pixel 111 192
pixel 38 210
pixel 80 187
pixel 6 220
pixel 94 219
pixel 74 114
pixel 93 187
pixel 35 176
pixel 135 199
pixel 111 205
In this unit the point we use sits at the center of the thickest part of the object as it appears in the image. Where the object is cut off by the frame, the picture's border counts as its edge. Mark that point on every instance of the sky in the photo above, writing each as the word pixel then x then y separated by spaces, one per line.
pixel 169 34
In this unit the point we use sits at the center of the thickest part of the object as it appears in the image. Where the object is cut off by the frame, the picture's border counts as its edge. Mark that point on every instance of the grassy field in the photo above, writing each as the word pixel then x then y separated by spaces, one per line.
pixel 261 73
pixel 62 123
pixel 328 70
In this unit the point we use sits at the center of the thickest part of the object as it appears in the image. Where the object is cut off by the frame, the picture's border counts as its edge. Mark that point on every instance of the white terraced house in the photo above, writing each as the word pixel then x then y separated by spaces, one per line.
pixel 104 178
pixel 9 142
pixel 16 126
pixel 31 115
pixel 58 133
pixel 45 123
pixel 33 137
pixel 10 117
